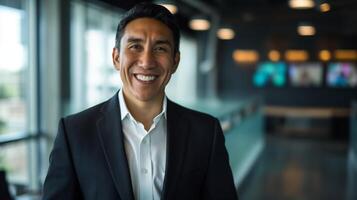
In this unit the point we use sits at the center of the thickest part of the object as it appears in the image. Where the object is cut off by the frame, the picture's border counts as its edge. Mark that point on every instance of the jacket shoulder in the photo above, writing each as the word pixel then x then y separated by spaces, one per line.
pixel 194 115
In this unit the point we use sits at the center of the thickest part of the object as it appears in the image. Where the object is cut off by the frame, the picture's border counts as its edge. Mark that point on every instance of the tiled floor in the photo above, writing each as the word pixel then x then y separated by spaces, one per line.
pixel 298 169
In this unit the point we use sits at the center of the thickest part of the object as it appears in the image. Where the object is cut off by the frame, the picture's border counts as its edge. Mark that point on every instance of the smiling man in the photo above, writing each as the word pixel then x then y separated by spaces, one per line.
pixel 139 144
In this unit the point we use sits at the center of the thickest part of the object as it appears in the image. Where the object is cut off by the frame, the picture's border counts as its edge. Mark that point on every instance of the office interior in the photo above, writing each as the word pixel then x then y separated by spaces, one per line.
pixel 280 75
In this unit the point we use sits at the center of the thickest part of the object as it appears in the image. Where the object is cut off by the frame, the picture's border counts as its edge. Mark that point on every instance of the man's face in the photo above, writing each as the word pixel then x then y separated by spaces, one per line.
pixel 145 59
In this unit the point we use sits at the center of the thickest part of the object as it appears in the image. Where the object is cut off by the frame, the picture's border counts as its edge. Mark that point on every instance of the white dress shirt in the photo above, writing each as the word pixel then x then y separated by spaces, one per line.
pixel 145 151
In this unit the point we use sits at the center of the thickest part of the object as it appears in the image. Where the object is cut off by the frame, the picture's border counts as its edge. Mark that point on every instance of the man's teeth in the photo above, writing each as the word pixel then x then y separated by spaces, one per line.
pixel 145 78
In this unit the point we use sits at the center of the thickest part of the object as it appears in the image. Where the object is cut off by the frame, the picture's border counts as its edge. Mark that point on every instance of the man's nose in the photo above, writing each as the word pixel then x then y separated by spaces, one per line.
pixel 147 59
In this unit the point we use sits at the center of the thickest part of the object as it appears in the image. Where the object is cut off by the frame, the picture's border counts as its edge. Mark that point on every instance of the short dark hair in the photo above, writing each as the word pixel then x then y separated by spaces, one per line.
pixel 149 10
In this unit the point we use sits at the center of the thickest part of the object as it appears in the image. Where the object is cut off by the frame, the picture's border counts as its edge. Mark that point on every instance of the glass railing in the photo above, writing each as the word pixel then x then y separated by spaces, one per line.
pixel 352 155
pixel 242 124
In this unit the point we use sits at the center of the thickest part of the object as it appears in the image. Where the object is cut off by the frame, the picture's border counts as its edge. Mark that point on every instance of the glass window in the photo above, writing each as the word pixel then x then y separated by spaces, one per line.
pixel 97 80
pixel 102 80
pixel 15 89
pixel 14 160
pixel 13 67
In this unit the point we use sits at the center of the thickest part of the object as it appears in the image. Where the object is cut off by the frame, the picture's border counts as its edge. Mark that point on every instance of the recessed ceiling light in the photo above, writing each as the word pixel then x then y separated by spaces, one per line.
pixel 199 24
pixel 171 7
pixel 306 30
pixel 301 4
pixel 325 7
pixel 168 4
pixel 225 34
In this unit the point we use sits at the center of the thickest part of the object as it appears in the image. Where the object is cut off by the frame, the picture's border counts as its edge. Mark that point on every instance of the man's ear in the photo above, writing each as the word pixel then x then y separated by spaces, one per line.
pixel 176 62
pixel 115 58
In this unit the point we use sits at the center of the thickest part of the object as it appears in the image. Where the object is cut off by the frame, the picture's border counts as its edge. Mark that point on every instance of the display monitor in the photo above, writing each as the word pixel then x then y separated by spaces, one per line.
pixel 270 74
pixel 342 74
pixel 306 74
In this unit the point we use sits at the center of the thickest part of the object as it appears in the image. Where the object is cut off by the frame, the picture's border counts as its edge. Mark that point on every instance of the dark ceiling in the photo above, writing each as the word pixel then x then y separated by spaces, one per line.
pixel 272 15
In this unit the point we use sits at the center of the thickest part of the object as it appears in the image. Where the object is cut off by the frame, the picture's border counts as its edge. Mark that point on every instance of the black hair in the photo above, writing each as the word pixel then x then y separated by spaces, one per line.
pixel 149 10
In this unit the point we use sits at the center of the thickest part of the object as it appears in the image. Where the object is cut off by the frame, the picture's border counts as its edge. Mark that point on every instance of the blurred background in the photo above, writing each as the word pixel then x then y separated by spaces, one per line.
pixel 281 75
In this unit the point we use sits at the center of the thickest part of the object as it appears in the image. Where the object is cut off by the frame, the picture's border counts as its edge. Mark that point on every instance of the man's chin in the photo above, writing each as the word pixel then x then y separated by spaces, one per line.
pixel 144 97
pixel 148 97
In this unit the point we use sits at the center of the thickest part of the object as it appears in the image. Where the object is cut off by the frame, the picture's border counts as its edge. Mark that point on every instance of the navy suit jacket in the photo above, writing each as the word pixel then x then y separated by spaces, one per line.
pixel 88 159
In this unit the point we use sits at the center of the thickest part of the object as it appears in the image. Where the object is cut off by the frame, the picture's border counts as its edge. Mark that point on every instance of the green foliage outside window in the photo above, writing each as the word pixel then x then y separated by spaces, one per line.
pixel 7 91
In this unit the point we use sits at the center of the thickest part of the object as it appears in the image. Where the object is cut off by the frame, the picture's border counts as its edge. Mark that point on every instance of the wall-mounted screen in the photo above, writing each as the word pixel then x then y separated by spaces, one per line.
pixel 270 74
pixel 306 74
pixel 342 75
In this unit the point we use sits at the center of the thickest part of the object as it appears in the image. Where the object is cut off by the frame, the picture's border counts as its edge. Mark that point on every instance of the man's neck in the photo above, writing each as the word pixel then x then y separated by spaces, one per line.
pixel 144 111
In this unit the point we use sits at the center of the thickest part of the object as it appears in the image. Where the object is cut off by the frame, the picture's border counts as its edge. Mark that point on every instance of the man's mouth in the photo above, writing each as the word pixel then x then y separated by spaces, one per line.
pixel 145 78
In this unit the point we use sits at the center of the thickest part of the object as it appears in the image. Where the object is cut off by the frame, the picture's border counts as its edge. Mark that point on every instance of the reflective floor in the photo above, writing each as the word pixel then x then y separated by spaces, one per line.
pixel 298 169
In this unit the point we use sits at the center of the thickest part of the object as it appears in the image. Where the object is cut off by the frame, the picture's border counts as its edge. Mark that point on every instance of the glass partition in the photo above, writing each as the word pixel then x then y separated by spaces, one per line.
pixel 13 67
pixel 17 101
pixel 94 78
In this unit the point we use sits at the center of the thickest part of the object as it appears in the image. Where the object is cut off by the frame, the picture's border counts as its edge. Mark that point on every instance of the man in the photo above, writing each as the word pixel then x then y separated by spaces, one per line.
pixel 139 144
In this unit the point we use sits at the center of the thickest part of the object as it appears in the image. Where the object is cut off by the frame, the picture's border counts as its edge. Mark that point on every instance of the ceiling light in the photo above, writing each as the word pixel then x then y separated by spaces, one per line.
pixel 345 54
pixel 168 4
pixel 274 55
pixel 324 55
pixel 325 7
pixel 225 33
pixel 306 30
pixel 296 55
pixel 245 56
pixel 199 24
pixel 171 7
pixel 301 4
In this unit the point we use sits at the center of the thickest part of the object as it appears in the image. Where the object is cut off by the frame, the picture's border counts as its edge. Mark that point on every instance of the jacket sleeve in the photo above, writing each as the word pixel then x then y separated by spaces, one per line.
pixel 61 180
pixel 219 182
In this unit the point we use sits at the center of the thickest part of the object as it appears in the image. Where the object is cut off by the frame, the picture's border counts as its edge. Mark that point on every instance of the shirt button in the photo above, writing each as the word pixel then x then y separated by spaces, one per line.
pixel 144 171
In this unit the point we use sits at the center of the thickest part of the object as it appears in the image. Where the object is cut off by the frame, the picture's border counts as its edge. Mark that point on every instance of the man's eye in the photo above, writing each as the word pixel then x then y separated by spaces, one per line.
pixel 160 49
pixel 135 47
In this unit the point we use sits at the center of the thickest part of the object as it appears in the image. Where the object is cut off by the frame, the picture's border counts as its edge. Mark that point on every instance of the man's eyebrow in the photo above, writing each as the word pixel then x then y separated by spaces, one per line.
pixel 139 40
pixel 134 40
pixel 163 42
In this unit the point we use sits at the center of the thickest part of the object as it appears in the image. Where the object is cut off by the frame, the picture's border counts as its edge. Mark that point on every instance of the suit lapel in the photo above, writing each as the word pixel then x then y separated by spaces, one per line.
pixel 177 135
pixel 112 142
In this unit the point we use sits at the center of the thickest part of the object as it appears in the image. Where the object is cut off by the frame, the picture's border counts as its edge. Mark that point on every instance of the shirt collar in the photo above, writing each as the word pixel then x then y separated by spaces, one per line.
pixel 125 112
pixel 123 109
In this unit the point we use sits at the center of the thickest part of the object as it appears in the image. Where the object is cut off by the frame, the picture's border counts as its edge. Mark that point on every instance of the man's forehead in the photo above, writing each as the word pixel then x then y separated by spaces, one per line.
pixel 141 37
pixel 147 27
